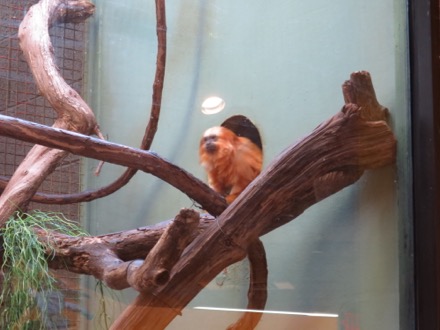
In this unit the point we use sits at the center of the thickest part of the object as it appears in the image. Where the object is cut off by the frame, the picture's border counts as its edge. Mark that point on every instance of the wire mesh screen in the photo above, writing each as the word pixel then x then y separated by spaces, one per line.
pixel 19 97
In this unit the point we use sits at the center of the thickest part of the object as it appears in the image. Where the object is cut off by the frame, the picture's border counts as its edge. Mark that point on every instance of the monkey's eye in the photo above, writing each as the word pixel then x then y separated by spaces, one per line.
pixel 212 138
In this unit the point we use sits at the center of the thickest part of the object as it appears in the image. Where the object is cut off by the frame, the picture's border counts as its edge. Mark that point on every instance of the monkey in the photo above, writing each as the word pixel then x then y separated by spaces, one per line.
pixel 231 161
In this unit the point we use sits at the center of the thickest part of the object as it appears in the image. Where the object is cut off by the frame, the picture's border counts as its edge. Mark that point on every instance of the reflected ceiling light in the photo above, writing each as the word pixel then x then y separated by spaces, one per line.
pixel 265 312
pixel 212 105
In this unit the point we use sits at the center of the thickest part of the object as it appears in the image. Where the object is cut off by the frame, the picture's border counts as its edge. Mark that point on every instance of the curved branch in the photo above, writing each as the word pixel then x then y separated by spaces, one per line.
pixel 257 294
pixel 87 196
pixel 347 143
pixel 143 160
pixel 334 154
pixel 342 148
pixel 161 30
pixel 73 113
pixel 151 128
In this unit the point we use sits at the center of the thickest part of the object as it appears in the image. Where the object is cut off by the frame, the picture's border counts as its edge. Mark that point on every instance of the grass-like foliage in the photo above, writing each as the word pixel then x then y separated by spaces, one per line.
pixel 28 287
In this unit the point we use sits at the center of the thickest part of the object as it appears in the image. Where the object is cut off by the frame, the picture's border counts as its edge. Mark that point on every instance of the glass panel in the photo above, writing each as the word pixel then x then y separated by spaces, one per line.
pixel 281 64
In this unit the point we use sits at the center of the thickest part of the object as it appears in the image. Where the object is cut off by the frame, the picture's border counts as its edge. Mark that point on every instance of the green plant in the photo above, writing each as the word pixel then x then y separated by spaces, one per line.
pixel 28 286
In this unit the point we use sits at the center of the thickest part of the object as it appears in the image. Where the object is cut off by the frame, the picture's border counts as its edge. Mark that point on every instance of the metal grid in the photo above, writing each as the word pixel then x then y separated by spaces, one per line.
pixel 20 98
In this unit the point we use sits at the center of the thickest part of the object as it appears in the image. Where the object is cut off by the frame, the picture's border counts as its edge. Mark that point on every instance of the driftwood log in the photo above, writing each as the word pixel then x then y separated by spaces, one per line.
pixel 332 157
pixel 166 268
pixel 73 113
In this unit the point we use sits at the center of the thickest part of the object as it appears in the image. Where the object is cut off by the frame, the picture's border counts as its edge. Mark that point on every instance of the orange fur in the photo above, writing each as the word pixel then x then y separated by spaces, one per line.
pixel 231 162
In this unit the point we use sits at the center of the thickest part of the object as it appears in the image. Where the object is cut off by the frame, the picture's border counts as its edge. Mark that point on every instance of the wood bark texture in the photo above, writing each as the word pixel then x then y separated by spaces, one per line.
pixel 118 154
pixel 334 154
pixel 170 263
pixel 73 113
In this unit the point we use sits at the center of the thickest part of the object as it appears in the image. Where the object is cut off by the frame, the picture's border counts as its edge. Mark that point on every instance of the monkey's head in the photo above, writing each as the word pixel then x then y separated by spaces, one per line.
pixel 217 141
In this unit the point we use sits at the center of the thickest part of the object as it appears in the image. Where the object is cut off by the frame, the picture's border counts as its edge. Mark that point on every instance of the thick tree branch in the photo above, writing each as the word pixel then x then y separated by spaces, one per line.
pixel 125 245
pixel 98 256
pixel 87 146
pixel 333 156
pixel 155 270
pixel 347 143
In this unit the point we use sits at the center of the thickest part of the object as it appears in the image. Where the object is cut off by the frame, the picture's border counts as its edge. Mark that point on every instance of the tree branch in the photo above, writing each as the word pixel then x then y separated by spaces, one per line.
pixel 155 270
pixel 257 294
pixel 347 143
pixel 87 196
pixel 88 146
pixel 73 113
pixel 333 156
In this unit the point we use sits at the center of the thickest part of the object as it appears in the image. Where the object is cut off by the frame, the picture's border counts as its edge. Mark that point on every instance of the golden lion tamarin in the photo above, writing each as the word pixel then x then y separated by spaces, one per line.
pixel 231 161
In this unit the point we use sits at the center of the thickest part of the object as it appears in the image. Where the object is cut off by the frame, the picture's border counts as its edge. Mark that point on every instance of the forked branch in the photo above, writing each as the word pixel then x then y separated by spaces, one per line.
pixel 332 157
pixel 336 153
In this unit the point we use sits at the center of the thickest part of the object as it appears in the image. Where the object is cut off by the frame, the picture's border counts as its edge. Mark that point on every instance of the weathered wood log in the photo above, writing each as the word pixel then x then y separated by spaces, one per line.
pixel 347 143
pixel 98 256
pixel 76 254
pixel 73 113
pixel 155 270
pixel 333 156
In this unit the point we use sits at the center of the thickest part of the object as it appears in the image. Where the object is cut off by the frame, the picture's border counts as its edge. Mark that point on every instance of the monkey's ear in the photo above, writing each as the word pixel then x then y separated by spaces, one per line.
pixel 242 126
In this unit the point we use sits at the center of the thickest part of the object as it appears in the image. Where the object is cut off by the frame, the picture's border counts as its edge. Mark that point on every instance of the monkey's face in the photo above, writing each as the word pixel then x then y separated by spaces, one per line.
pixel 217 140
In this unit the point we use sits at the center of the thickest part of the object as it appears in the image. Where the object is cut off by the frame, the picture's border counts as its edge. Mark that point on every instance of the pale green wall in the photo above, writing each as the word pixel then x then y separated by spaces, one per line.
pixel 282 64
